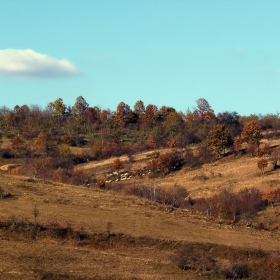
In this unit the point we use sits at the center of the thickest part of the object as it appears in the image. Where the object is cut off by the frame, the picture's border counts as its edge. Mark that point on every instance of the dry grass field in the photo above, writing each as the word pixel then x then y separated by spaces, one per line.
pixel 144 239
pixel 232 173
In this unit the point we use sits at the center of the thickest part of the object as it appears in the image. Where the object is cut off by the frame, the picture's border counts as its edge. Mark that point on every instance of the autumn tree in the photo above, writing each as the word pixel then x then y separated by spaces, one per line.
pixel 80 106
pixel 105 115
pixel 252 133
pixel 92 114
pixel 237 144
pixel 40 144
pixel 173 123
pixel 41 168
pixel 203 110
pixel 271 196
pixel 123 114
pixel 118 164
pixel 218 139
pixel 17 146
pixel 262 150
pixel 262 163
pixel 172 143
pixel 79 109
pixel 166 162
pixel 57 108
pixel 139 108
pixel 232 121
pixel 151 142
pixel 149 118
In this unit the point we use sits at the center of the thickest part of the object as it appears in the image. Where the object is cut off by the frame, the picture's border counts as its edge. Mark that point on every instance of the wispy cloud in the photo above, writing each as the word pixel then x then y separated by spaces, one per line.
pixel 28 63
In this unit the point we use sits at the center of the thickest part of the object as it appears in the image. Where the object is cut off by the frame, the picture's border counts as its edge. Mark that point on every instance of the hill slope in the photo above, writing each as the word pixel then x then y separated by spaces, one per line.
pixel 90 211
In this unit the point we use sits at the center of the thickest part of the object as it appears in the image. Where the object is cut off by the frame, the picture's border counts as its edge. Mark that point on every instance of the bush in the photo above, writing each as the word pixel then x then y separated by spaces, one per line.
pixel 81 177
pixel 81 158
pixel 230 206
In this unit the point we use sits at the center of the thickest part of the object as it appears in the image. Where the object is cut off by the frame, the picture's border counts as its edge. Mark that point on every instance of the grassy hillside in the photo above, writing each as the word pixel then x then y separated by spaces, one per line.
pixel 146 243
pixel 51 230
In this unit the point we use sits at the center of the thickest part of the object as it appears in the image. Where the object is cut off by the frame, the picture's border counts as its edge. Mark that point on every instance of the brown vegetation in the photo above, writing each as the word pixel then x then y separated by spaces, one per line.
pixel 92 198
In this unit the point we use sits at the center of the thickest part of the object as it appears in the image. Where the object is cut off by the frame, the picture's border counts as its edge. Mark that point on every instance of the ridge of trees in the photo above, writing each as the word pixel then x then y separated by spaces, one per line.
pixel 45 135
pixel 83 124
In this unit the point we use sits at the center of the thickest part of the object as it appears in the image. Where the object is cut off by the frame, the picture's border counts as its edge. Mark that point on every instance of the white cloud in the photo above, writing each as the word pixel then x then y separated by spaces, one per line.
pixel 28 63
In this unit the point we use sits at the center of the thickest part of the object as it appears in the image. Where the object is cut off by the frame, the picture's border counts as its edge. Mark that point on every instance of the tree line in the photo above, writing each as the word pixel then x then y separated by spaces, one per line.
pixel 47 135
pixel 142 127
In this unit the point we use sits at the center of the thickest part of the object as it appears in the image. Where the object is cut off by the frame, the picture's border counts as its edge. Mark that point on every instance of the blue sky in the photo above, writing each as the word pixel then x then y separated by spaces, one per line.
pixel 163 52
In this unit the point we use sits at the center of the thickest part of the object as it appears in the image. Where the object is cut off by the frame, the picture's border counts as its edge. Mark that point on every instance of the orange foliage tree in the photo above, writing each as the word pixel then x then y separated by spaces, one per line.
pixel 218 139
pixel 118 164
pixel 151 142
pixel 252 133
pixel 272 196
pixel 237 144
pixel 40 144
pixel 262 163
pixel 17 146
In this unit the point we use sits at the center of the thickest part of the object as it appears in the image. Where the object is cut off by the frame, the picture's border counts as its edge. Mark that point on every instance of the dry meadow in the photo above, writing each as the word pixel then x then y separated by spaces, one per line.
pixel 128 237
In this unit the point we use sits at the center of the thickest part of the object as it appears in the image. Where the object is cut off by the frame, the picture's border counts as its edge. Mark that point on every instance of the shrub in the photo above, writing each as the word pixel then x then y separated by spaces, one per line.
pixel 118 164
pixel 81 157
pixel 81 177
pixel 42 168
pixel 230 206
pixel 262 163
pixel 101 184
pixel 174 196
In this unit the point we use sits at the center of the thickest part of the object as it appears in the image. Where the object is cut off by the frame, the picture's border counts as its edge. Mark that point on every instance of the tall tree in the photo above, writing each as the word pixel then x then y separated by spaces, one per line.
pixel 17 146
pixel 252 133
pixel 204 110
pixel 218 139
pixel 80 106
pixel 123 114
pixel 232 121
pixel 149 118
pixel 40 145
pixel 57 109
pixel 139 108
pixel 173 123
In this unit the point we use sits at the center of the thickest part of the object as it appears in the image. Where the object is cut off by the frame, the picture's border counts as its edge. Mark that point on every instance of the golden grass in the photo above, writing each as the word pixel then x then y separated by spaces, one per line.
pixel 91 209
pixel 232 172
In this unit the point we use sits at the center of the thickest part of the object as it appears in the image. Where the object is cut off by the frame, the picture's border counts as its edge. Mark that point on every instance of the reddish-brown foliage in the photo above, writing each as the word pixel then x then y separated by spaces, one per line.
pixel 237 144
pixel 272 196
pixel 118 164
pixel 262 163
pixel 151 142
